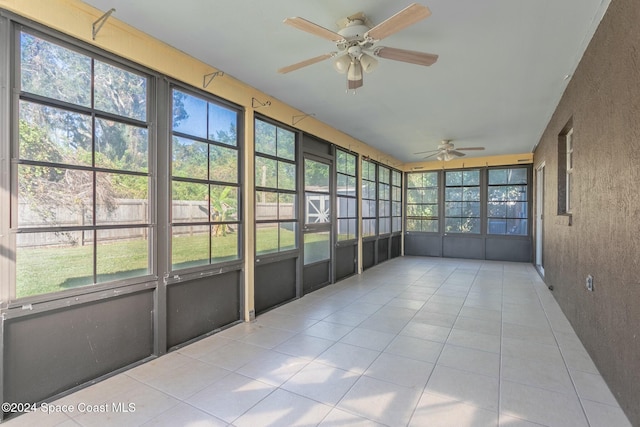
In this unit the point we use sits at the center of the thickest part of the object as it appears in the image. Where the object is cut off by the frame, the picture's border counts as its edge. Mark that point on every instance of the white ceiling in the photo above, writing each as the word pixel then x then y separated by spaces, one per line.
pixel 502 69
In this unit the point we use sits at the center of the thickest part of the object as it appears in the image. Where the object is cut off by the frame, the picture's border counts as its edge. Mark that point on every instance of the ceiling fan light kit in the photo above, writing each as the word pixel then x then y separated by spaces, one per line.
pixel 356 41
pixel 446 151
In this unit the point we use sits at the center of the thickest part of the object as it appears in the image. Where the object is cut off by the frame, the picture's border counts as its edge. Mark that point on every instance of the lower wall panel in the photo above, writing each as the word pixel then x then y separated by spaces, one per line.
pixel 316 276
pixel 275 283
pixel 48 353
pixel 196 307
pixel 505 249
pixel 368 254
pixel 383 249
pixel 423 244
pixel 346 257
pixel 396 244
pixel 495 248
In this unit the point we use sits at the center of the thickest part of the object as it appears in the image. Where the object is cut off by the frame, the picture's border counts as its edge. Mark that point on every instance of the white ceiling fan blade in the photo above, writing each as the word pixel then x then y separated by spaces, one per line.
pixel 470 148
pixel 408 16
pixel 432 155
pixel 424 152
pixel 304 63
pixel 403 55
pixel 315 29
pixel 456 153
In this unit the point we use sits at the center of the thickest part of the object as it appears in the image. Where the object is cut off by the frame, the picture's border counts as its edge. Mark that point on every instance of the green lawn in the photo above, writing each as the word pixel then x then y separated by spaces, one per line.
pixel 53 269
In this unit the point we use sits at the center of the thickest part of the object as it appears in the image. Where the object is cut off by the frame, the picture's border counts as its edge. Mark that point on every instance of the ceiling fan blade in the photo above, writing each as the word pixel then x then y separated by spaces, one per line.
pixel 431 155
pixel 408 16
pixel 470 148
pixel 304 63
pixel 403 55
pixel 456 153
pixel 424 152
pixel 315 29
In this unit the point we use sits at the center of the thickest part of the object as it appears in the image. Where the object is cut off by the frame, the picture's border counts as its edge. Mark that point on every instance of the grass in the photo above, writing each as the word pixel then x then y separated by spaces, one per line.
pixel 53 269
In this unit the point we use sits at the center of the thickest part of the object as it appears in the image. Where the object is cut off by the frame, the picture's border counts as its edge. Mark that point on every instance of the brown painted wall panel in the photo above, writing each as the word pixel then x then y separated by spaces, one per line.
pixel 603 98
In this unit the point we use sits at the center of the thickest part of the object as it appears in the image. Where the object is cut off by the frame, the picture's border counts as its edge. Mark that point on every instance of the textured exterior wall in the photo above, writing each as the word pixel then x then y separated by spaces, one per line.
pixel 603 98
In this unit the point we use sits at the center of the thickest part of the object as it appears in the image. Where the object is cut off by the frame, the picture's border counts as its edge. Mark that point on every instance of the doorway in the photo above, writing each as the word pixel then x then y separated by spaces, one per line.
pixel 318 222
pixel 540 218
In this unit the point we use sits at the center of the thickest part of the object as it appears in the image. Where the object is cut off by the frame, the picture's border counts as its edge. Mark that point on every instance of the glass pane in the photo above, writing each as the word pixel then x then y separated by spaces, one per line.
pixel 288 236
pixel 266 238
pixel 471 209
pixel 122 253
pixel 54 72
pixel 517 227
pixel 430 225
pixel 397 194
pixel 396 209
pixel 453 194
pixel 287 206
pixel 413 225
pixel 497 194
pixel 265 137
pixel 346 229
pixel 341 184
pixel 189 114
pixel 189 246
pixel 122 199
pixel 52 262
pixel 471 194
pixel 351 210
pixel 383 175
pixel 189 202
pixel 498 176
pixel 453 209
pixel 369 227
pixel 318 208
pixel 453 178
pixel 286 176
pixel 351 185
pixel 431 179
pixel 414 196
pixel 341 161
pixel 286 144
pixel 266 174
pixel 497 209
pixel 266 205
pixel 223 204
pixel 50 134
pixel 396 224
pixel 385 225
pixel 52 197
pixel 518 176
pixel 189 158
pixel 351 164
pixel 224 243
pixel 120 146
pixel 223 164
pixel 414 180
pixel 497 226
pixel 367 207
pixel 316 247
pixel 369 190
pixel 223 125
pixel 471 177
pixel 516 209
pixel 120 92
pixel 316 176
pixel 396 178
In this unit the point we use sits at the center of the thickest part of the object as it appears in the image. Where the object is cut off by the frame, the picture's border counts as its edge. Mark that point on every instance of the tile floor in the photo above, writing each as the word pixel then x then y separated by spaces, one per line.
pixel 411 342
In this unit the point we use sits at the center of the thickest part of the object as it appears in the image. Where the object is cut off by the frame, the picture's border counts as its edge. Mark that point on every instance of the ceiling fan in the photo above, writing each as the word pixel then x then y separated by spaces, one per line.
pixel 446 151
pixel 356 41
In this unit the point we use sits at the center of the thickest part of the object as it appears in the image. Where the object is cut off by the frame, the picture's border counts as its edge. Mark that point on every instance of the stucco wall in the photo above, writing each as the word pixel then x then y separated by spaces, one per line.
pixel 603 98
